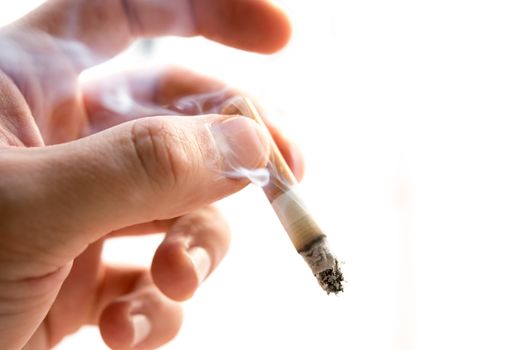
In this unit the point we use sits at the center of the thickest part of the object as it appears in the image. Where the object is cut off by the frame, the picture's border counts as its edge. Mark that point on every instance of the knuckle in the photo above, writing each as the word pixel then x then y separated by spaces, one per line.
pixel 165 153
pixel 207 227
pixel 215 219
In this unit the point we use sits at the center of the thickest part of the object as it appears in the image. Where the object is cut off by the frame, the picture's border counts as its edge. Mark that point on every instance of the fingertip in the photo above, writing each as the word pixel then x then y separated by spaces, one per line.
pixel 242 143
pixel 291 152
pixel 296 161
pixel 141 320
pixel 192 249
pixel 173 270
pixel 276 28
pixel 115 325
pixel 256 25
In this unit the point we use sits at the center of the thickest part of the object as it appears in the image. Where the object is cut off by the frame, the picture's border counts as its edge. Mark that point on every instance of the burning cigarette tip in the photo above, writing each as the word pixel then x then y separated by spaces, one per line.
pixel 331 280
pixel 324 266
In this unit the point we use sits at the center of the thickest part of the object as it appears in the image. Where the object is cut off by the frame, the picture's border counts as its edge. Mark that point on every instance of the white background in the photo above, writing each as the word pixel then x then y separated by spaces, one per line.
pixel 411 117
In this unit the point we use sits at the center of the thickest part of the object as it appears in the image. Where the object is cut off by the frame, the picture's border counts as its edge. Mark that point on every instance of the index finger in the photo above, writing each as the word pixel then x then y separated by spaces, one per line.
pixel 106 27
pixel 173 90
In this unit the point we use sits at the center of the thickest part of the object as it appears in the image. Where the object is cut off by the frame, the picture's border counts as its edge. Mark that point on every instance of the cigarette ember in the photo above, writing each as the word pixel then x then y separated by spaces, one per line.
pixel 282 192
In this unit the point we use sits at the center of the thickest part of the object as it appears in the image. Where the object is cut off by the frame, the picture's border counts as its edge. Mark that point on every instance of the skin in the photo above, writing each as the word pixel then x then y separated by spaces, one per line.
pixel 74 174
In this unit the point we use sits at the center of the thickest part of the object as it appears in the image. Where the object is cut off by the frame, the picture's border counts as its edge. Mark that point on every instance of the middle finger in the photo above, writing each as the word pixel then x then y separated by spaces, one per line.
pixel 193 247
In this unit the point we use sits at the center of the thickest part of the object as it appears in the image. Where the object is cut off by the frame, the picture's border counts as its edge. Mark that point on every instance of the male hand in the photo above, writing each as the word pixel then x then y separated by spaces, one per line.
pixel 75 172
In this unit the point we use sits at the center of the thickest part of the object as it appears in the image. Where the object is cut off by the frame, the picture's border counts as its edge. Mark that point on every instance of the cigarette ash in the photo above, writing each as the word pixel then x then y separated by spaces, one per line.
pixel 324 265
pixel 331 280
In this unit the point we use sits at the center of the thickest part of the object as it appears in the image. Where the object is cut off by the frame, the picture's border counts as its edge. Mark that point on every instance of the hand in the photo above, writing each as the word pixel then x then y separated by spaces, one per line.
pixel 75 172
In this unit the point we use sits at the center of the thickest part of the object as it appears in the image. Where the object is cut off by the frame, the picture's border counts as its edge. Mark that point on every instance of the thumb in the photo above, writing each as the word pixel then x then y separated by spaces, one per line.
pixel 61 198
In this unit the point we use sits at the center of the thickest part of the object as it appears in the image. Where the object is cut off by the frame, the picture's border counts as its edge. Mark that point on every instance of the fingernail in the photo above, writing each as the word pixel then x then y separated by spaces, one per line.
pixel 202 262
pixel 141 328
pixel 242 143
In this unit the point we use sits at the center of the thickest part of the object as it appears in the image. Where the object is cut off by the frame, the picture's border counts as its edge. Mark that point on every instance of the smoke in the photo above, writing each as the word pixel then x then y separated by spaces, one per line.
pixel 259 177
pixel 204 103
pixel 119 101
pixel 50 71
pixel 44 68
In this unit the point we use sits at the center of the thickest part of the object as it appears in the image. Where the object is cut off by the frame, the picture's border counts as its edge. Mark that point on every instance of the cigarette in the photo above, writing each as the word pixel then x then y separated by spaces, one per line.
pixel 282 193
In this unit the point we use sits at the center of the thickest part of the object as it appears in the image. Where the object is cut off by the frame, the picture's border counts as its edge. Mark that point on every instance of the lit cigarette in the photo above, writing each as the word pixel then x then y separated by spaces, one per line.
pixel 282 193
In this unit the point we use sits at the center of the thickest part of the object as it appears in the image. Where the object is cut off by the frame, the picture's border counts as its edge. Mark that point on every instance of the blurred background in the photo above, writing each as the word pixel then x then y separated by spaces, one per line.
pixel 411 117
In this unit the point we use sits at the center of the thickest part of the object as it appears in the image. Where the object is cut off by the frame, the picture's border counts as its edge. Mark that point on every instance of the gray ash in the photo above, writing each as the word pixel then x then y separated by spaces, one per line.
pixel 324 265
pixel 331 280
